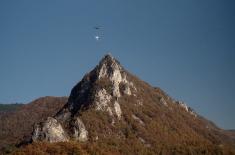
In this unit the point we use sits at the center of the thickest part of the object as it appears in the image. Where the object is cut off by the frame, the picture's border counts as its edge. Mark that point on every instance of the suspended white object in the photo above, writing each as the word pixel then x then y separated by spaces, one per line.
pixel 97 38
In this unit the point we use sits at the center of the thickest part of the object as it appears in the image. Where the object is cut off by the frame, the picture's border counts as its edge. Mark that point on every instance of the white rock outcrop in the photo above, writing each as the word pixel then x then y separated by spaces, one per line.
pixel 117 109
pixel 111 70
pixel 186 108
pixel 162 101
pixel 137 119
pixel 110 111
pixel 127 90
pixel 80 132
pixel 102 99
pixel 114 73
pixel 51 131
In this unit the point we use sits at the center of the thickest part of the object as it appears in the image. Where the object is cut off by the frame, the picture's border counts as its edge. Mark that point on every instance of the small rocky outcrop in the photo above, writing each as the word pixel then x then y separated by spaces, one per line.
pixel 186 108
pixel 80 132
pixel 50 130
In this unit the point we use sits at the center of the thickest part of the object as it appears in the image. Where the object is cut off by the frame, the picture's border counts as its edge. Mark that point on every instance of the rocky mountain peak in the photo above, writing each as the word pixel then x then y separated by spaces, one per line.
pixel 99 89
pixel 109 61
pixel 106 82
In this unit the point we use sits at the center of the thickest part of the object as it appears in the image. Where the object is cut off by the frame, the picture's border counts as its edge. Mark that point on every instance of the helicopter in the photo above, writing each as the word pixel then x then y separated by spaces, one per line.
pixel 97 27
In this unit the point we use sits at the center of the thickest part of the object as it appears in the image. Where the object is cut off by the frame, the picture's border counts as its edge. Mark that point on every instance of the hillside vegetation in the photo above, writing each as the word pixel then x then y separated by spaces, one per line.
pixel 17 125
pixel 9 107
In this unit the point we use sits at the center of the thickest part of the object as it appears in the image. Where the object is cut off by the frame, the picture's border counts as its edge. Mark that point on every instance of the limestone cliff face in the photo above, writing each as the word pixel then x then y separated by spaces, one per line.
pixel 100 89
pixel 50 130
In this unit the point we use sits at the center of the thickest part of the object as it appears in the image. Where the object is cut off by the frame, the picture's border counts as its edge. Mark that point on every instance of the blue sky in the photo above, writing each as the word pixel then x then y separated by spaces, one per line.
pixel 186 47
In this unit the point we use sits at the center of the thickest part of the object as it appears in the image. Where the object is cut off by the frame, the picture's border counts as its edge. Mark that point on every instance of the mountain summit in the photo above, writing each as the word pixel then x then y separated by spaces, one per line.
pixel 113 107
pixel 100 89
